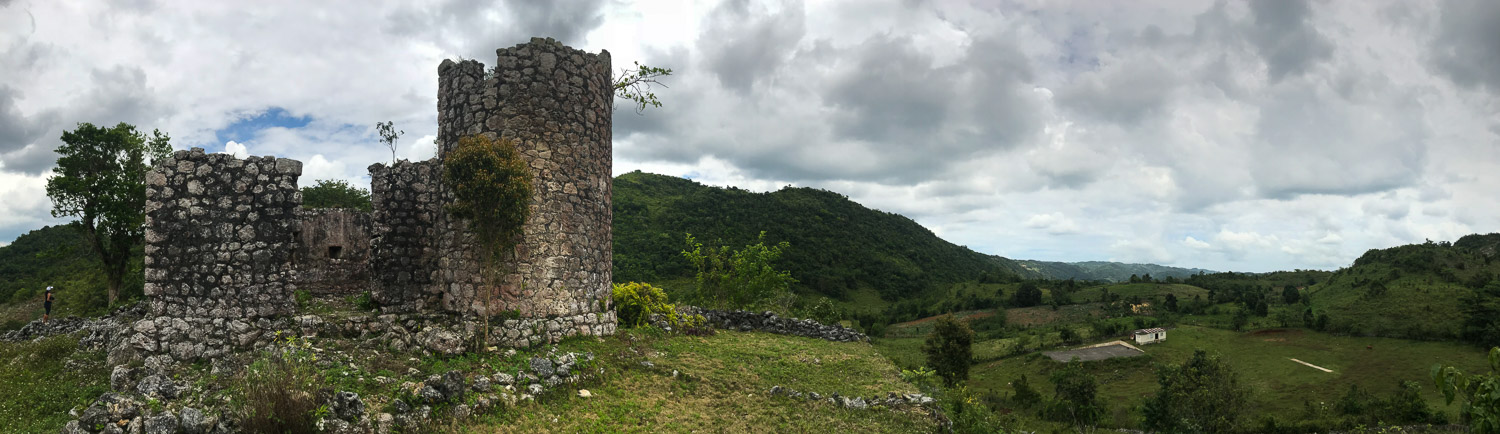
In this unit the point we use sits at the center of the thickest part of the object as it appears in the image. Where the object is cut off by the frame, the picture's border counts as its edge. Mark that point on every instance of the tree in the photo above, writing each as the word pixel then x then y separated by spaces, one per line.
pixel 1290 295
pixel 635 85
pixel 1075 396
pixel 101 179
pixel 1202 395
pixel 949 349
pixel 1170 303
pixel 1025 396
pixel 1240 319
pixel 1028 295
pixel 388 136
pixel 1480 393
pixel 739 279
pixel 335 193
pixel 1482 316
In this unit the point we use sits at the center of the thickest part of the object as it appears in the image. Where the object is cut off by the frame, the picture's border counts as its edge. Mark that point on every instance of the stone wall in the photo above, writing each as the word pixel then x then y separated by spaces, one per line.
pixel 332 254
pixel 556 102
pixel 219 235
pixel 407 222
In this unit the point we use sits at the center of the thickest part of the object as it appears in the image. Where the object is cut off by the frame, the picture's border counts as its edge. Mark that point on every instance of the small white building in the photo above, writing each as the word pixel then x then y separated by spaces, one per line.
pixel 1150 336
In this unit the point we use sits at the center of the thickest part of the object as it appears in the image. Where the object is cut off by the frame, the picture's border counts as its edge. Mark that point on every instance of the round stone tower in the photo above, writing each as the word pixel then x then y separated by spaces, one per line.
pixel 555 102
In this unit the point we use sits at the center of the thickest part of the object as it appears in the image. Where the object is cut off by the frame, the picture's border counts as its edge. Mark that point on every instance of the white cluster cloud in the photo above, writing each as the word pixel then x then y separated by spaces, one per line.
pixel 1223 135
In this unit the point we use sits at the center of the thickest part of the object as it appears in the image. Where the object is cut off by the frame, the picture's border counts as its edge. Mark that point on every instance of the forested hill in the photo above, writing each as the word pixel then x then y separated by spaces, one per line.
pixel 1110 271
pixel 1434 290
pixel 837 245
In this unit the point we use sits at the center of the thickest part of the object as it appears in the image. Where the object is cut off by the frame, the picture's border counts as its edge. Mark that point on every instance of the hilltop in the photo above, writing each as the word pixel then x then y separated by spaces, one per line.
pixel 1417 290
pixel 838 245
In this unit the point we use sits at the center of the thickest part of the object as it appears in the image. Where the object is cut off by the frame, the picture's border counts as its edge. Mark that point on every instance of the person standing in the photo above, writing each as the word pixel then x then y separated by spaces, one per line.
pixel 47 303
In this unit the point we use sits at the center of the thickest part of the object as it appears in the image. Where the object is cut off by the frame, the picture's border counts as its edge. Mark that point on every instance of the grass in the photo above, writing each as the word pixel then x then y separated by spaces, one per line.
pixel 720 385
pixel 41 381
pixel 1279 386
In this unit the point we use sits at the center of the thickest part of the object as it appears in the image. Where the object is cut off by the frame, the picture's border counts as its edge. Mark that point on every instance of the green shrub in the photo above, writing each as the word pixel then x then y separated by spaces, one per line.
pixel 303 298
pixel 280 390
pixel 949 349
pixel 363 301
pixel 635 303
pixel 1025 396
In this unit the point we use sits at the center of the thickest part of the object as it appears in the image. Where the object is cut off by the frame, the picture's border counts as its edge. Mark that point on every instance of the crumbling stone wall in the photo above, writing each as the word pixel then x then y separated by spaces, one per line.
pixel 219 235
pixel 332 255
pixel 556 102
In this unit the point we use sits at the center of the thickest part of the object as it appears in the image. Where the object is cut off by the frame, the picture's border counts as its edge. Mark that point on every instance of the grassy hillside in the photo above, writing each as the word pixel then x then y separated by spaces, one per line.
pixel 718 384
pixel 60 257
pixel 1415 291
pixel 839 247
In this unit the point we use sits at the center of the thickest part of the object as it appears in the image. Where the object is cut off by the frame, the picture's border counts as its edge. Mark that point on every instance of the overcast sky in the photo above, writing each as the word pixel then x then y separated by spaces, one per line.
pixel 1224 135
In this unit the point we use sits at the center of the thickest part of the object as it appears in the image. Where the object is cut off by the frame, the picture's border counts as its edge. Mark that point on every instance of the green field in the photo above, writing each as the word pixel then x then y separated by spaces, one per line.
pixel 1262 358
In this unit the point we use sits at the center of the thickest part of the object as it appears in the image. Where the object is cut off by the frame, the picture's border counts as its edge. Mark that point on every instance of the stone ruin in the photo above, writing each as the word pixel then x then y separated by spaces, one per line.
pixel 228 244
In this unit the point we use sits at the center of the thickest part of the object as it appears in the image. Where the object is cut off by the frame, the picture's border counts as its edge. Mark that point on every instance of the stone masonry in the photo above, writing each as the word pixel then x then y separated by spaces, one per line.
pixel 556 102
pixel 219 235
pixel 226 237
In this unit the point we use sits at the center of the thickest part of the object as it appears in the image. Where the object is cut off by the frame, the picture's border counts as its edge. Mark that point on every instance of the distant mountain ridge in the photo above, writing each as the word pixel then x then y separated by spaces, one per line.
pixel 1109 271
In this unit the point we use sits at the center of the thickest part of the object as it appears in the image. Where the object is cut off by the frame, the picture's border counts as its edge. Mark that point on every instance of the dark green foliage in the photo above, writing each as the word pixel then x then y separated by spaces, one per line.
pixel 1480 393
pixel 492 188
pixel 1068 336
pixel 1025 396
pixel 59 256
pixel 335 193
pixel 1202 395
pixel 841 245
pixel 100 179
pixel 1171 303
pixel 1240 319
pixel 1405 406
pixel 1289 295
pixel 1028 295
pixel 740 279
pixel 1109 271
pixel 1482 316
pixel 949 349
pixel 1075 397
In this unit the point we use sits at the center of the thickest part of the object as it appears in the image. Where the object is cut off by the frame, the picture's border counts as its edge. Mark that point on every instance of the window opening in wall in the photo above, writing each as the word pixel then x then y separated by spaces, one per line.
pixel 335 251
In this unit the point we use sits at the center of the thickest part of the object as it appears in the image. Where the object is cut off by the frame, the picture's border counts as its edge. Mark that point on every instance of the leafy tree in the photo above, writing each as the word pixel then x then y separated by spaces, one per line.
pixel 1240 319
pixel 1068 336
pixel 635 85
pixel 100 179
pixel 388 136
pixel 492 188
pixel 1075 396
pixel 739 279
pixel 1480 393
pixel 1025 396
pixel 1170 303
pixel 1202 395
pixel 949 349
pixel 1027 295
pixel 1482 316
pixel 1290 295
pixel 335 193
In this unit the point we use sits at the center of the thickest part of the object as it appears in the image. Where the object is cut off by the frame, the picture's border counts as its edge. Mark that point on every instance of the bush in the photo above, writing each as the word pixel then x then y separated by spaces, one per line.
pixel 491 187
pixel 280 389
pixel 1025 396
pixel 363 301
pixel 635 303
pixel 949 349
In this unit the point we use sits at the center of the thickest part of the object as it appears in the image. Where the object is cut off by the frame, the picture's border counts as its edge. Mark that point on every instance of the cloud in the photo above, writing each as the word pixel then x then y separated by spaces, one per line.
pixel 1054 223
pixel 743 43
pixel 1465 48
pixel 1284 35
pixel 236 149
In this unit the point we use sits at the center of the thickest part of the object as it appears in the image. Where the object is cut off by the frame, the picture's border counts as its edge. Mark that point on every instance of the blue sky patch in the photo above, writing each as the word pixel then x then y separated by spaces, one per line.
pixel 244 130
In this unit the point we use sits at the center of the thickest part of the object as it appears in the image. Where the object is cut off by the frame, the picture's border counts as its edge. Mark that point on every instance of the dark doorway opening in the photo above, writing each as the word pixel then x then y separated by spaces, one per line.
pixel 335 251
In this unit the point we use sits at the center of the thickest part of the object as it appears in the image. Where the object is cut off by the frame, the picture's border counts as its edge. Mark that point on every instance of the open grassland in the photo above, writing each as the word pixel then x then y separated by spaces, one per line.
pixel 715 384
pixel 1411 306
pixel 1279 386
pixel 40 381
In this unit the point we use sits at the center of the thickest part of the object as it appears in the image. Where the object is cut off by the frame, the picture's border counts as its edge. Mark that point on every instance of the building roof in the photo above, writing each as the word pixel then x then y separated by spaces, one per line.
pixel 1150 331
